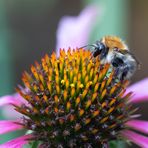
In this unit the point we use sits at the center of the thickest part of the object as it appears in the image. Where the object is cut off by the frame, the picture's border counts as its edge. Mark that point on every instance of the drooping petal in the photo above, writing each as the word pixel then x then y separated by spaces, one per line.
pixel 138 139
pixel 74 31
pixel 16 143
pixel 15 99
pixel 138 125
pixel 9 99
pixel 140 90
pixel 8 126
pixel 6 110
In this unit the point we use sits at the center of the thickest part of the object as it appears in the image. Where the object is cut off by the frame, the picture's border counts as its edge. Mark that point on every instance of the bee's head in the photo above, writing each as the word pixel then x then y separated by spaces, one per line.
pixel 99 48
pixel 109 44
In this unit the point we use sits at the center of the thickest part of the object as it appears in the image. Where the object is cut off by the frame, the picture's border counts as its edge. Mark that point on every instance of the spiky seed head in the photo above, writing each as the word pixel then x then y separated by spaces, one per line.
pixel 73 101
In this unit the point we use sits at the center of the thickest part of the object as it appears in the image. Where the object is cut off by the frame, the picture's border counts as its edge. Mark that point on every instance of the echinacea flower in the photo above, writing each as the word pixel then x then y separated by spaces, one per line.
pixel 68 112
pixel 73 101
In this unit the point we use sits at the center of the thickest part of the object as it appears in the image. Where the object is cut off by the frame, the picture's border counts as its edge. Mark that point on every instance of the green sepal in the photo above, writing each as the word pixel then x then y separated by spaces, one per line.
pixel 116 144
pixel 33 144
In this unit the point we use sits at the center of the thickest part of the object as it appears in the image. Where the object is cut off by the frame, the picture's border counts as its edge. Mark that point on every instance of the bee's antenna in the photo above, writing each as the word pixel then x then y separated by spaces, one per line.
pixel 91 45
pixel 88 45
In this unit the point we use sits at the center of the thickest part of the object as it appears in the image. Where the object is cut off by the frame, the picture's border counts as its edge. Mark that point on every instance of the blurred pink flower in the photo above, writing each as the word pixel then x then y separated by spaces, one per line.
pixel 74 31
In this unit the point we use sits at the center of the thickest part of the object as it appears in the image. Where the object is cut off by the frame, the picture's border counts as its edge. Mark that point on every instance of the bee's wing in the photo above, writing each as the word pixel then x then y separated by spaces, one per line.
pixel 137 61
pixel 133 56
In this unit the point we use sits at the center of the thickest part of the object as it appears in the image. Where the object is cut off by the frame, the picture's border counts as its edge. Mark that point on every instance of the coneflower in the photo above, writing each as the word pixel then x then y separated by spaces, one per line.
pixel 72 101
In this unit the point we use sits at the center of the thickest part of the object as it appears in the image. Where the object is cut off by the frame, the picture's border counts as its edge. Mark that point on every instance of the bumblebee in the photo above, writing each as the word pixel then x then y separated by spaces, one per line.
pixel 113 50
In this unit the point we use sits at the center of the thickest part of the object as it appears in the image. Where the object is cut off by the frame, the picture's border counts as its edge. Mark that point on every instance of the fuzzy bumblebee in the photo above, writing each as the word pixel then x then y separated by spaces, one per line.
pixel 71 102
pixel 113 50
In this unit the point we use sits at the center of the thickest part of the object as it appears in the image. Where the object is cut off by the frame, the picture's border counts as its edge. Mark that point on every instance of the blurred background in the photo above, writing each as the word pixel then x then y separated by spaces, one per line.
pixel 28 31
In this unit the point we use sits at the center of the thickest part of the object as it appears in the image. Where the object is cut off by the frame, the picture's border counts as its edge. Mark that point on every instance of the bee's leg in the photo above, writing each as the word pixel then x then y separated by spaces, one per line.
pixel 121 73
pixel 124 73
pixel 117 71
pixel 91 57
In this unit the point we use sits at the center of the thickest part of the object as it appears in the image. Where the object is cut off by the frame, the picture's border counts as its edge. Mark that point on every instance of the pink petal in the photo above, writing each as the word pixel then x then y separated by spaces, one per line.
pixel 74 31
pixel 16 143
pixel 6 110
pixel 9 99
pixel 140 140
pixel 140 90
pixel 15 99
pixel 8 126
pixel 138 125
